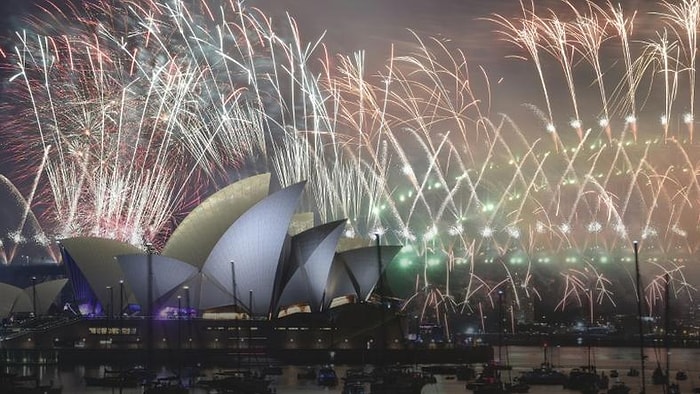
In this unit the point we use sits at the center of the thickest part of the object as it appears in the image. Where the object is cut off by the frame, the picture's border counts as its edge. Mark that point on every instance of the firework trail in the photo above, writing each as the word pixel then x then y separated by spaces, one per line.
pixel 585 285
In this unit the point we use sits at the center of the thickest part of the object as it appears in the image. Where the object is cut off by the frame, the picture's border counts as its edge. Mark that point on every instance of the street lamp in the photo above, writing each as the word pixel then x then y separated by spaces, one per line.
pixel 187 300
pixel 500 325
pixel 34 295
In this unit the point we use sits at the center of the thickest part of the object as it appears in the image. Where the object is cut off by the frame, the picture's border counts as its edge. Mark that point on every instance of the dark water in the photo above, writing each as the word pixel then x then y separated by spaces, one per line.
pixel 521 358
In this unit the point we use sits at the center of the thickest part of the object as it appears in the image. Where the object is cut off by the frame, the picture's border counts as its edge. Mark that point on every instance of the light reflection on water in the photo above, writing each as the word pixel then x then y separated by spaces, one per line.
pixel 521 358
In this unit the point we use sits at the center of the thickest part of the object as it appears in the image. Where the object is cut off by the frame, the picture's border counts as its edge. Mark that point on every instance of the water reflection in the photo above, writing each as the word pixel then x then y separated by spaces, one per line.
pixel 291 381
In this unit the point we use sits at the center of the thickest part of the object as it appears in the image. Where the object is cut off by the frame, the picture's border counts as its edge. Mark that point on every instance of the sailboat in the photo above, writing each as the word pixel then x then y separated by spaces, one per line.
pixel 658 375
pixel 390 380
pixel 671 388
pixel 545 374
pixel 489 380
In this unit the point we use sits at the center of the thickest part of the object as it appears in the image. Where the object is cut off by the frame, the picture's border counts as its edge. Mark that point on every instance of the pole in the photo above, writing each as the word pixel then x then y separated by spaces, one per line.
pixel 588 327
pixel 121 298
pixel 187 301
pixel 380 293
pixel 149 306
pixel 187 311
pixel 233 286
pixel 250 323
pixel 179 306
pixel 234 292
pixel 34 295
pixel 180 358
pixel 639 315
pixel 179 323
pixel 667 311
pixel 500 326
pixel 108 312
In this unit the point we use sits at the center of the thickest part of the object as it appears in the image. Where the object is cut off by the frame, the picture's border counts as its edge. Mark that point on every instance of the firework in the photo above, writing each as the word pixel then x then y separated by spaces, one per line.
pixel 137 110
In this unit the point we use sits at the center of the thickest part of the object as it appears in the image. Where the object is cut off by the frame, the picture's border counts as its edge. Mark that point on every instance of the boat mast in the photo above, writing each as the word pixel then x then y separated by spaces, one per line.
pixel 639 315
pixel 666 339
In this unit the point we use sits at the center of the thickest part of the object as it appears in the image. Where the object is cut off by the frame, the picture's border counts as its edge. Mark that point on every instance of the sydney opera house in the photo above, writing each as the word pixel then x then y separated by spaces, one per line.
pixel 243 247
pixel 242 271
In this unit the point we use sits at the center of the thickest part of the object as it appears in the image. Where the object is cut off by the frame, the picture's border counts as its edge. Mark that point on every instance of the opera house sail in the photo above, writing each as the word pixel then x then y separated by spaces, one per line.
pixel 235 248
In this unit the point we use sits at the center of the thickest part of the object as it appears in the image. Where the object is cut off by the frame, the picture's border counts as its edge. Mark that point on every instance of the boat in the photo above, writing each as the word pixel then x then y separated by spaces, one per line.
pixel 500 388
pixel 353 388
pixel 440 369
pixel 545 374
pixel 586 379
pixel 129 378
pixel 489 382
pixel 169 385
pixel 619 388
pixel 658 377
pixel 681 375
pixel 516 387
pixel 237 381
pixel 327 377
pixel 13 384
pixel 358 375
pixel 614 373
pixel 462 372
pixel 398 380
pixel 488 388
pixel 465 372
pixel 272 370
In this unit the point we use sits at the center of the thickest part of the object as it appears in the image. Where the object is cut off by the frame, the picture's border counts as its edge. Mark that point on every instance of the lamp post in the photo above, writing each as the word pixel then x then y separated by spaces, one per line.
pixel 187 300
pixel 121 298
pixel 187 309
pixel 179 306
pixel 233 286
pixel 111 302
pixel 34 295
pixel 380 293
pixel 500 325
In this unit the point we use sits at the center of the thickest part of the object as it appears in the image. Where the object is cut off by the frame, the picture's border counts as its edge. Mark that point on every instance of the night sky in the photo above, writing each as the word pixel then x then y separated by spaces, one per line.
pixel 378 26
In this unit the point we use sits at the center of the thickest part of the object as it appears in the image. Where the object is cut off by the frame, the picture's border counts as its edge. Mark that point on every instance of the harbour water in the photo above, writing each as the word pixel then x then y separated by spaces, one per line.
pixel 71 377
